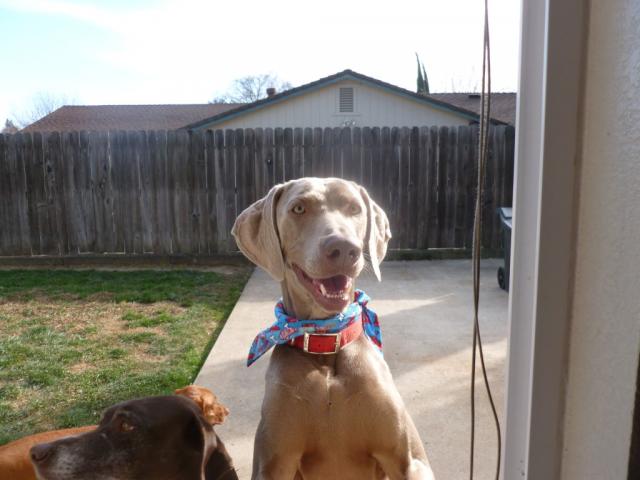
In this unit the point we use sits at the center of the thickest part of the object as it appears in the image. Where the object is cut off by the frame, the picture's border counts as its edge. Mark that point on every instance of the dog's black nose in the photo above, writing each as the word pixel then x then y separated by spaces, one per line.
pixel 341 250
pixel 40 452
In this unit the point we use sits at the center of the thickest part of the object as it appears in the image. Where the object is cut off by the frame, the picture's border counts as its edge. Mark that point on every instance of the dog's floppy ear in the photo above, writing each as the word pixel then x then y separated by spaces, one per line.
pixel 378 232
pixel 199 438
pixel 216 413
pixel 256 234
pixel 213 411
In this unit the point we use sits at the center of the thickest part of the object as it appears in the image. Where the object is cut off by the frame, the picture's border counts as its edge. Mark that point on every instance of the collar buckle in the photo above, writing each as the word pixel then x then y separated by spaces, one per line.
pixel 338 339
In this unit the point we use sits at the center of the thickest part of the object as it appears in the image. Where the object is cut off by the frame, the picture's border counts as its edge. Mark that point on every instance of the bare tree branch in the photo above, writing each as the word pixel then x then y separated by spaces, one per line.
pixel 42 104
pixel 252 88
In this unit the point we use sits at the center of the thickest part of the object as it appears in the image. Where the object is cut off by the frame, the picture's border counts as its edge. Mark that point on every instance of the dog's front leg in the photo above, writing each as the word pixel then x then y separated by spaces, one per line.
pixel 401 467
pixel 273 457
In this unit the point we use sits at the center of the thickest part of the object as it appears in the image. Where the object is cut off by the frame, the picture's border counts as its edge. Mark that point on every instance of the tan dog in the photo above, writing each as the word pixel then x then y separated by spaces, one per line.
pixel 336 416
pixel 15 462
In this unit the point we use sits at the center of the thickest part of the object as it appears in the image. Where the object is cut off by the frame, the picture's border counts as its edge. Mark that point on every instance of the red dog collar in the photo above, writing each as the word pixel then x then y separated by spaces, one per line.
pixel 328 343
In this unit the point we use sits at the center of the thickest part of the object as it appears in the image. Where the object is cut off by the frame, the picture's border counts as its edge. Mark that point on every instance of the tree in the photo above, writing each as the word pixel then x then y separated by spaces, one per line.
pixel 9 127
pixel 423 81
pixel 252 88
pixel 42 104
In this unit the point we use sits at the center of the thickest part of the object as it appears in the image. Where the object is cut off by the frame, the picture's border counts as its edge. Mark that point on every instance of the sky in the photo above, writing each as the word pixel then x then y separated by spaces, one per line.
pixel 189 51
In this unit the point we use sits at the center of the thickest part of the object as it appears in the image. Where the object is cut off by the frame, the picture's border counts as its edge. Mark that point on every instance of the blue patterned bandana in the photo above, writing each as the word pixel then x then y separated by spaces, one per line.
pixel 287 328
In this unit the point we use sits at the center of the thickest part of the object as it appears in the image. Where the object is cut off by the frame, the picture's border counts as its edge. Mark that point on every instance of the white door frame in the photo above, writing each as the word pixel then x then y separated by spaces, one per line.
pixel 547 145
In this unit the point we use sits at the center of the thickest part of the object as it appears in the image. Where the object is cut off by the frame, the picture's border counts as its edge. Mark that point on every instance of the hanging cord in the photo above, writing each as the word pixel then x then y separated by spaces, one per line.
pixel 483 151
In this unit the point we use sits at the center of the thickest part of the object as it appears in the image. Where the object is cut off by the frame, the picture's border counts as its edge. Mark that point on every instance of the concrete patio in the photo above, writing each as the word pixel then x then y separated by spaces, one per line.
pixel 425 310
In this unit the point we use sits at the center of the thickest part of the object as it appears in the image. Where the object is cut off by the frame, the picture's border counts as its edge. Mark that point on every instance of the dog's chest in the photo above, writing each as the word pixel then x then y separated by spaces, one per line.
pixel 358 378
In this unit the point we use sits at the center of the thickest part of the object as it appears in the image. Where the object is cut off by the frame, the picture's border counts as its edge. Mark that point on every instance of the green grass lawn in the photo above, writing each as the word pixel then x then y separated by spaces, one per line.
pixel 74 342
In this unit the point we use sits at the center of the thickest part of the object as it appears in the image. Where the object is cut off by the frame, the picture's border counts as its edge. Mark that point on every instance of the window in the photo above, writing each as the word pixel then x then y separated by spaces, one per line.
pixel 345 102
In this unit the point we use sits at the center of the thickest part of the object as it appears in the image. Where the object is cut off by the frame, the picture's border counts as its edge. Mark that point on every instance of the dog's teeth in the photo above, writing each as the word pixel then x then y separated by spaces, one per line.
pixel 323 290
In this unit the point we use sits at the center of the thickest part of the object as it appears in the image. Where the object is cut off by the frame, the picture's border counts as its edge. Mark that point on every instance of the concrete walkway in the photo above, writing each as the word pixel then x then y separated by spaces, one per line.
pixel 425 310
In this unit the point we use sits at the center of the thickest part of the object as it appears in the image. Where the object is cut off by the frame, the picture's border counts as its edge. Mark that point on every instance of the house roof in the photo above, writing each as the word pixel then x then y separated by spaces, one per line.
pixel 503 104
pixel 126 117
pixel 195 116
pixel 467 109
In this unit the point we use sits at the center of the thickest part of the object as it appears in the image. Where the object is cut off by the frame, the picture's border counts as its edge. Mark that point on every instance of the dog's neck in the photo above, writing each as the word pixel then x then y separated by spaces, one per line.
pixel 299 303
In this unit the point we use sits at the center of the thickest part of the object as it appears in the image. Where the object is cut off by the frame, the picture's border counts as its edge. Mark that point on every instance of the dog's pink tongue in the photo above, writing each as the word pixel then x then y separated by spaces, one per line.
pixel 335 284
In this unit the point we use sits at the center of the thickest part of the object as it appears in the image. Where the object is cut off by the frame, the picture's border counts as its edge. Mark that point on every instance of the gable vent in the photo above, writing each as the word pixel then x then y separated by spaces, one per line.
pixel 346 99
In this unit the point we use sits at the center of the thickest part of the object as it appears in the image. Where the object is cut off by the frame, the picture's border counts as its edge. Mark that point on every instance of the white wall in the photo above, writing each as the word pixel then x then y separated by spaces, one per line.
pixel 374 108
pixel 605 323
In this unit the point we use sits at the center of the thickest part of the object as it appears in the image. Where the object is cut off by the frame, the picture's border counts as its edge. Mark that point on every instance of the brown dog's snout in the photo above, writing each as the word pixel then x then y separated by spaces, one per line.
pixel 341 251
pixel 41 452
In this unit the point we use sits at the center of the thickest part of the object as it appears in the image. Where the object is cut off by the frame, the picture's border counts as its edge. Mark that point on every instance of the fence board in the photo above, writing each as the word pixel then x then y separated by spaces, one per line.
pixel 46 210
pixel 34 190
pixel 221 213
pixel 336 153
pixel 210 166
pixel 5 210
pixel 413 139
pixel 350 164
pixel 229 188
pixel 377 190
pixel 278 157
pixel 145 197
pixel 297 164
pixel 10 229
pixel 471 182
pixel 421 206
pixel 287 154
pixel 178 193
pixel 101 198
pixel 73 217
pixel 242 181
pixel 84 195
pixel 462 193
pixel 307 152
pixel 489 212
pixel 324 163
pixel 269 155
pixel 258 162
pixel 392 174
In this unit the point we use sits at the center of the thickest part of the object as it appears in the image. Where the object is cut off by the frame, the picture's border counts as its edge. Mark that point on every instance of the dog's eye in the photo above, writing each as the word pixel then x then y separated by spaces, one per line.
pixel 354 209
pixel 126 427
pixel 298 209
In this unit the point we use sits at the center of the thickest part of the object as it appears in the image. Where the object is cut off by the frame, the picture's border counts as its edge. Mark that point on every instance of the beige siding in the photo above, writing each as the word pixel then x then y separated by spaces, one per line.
pixel 374 107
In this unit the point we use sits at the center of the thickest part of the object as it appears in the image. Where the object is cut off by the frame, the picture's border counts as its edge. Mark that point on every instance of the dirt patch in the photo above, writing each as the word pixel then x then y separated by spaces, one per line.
pixel 81 367
pixel 80 315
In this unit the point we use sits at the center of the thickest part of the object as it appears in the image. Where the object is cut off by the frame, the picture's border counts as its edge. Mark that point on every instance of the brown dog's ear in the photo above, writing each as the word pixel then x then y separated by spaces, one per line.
pixel 378 232
pixel 256 234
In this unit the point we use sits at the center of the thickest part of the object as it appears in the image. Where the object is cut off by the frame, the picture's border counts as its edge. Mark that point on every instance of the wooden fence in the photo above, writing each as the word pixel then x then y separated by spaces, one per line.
pixel 178 192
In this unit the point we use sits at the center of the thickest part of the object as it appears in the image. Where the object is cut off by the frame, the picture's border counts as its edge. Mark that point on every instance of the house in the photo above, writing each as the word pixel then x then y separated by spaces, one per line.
pixel 349 98
pixel 346 98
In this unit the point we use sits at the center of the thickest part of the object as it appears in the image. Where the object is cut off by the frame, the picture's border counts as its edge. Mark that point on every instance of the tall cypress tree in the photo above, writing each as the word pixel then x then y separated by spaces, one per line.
pixel 426 80
pixel 423 82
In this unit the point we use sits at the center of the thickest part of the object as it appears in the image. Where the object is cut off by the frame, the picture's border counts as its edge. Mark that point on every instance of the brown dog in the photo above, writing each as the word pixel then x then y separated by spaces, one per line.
pixel 15 461
pixel 336 415
pixel 160 438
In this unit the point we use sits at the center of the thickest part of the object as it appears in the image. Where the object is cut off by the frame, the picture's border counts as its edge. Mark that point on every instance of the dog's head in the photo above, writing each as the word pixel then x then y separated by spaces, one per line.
pixel 214 411
pixel 313 234
pixel 159 438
